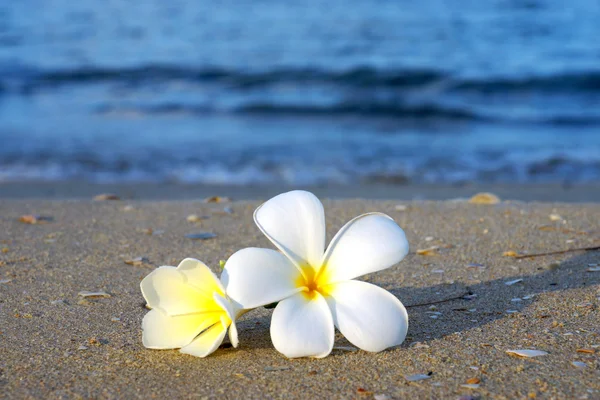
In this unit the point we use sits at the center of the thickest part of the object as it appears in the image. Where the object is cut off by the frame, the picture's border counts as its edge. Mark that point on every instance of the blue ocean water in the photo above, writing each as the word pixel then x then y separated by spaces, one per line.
pixel 300 92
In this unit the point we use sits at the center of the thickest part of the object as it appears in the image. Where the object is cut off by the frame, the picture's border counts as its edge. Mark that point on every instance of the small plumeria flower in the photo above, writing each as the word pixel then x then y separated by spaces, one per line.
pixel 190 309
pixel 315 287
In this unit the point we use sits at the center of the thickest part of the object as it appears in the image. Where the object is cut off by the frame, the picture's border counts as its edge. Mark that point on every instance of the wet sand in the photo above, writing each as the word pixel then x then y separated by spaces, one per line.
pixel 550 192
pixel 54 344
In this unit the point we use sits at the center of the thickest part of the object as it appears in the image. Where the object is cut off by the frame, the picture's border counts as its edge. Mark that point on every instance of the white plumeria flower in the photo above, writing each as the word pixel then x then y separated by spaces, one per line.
pixel 190 309
pixel 315 287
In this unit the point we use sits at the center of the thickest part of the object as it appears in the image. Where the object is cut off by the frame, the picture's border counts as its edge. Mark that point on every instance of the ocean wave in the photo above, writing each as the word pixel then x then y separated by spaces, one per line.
pixel 30 78
pixel 294 171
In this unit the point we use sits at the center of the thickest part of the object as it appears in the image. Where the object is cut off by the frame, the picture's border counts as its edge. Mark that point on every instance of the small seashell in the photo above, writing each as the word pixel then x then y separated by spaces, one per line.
pixel 35 219
pixel 115 319
pixel 194 218
pixel 579 364
pixel 484 198
pixel 137 261
pixel 419 345
pixel 510 283
pixel 527 353
pixel 381 397
pixel 555 217
pixel 106 196
pixel 473 381
pixel 5 280
pixel 593 269
pixel 416 377
pixel 82 347
pixel 430 251
pixel 510 253
pixel 470 386
pixel 217 199
pixel 86 294
pixel 201 235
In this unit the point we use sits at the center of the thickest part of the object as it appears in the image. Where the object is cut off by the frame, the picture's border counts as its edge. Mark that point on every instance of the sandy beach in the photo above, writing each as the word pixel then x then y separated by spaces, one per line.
pixel 468 304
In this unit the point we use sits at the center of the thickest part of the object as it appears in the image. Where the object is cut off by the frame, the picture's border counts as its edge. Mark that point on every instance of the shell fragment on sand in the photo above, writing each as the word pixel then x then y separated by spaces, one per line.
pixel 201 235
pixel 430 251
pixel 35 219
pixel 510 283
pixel 555 217
pixel 579 364
pixel 471 386
pixel 586 351
pixel 217 199
pixel 416 377
pixel 196 218
pixel 593 269
pixel 137 261
pixel 88 294
pixel 526 353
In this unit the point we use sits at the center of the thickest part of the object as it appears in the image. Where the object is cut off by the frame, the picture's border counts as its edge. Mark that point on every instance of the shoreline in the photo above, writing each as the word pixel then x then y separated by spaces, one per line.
pixel 580 193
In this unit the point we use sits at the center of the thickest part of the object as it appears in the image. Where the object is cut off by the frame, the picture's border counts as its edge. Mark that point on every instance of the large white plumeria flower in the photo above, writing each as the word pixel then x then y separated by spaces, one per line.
pixel 314 286
pixel 190 309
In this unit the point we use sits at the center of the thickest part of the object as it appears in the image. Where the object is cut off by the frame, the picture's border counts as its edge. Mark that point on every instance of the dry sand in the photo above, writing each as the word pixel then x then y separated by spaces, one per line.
pixel 53 344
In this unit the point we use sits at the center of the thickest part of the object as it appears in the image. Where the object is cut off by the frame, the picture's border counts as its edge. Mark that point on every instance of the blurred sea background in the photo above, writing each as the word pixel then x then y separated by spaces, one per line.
pixel 309 92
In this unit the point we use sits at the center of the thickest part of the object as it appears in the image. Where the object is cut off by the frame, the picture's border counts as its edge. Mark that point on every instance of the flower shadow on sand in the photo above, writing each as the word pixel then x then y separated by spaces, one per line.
pixel 491 299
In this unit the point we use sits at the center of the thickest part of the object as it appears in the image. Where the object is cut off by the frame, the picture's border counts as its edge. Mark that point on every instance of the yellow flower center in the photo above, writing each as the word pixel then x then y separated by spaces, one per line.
pixel 313 282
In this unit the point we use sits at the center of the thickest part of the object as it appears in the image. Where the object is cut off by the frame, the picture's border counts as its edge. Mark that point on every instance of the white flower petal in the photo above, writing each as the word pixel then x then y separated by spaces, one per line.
pixel 254 277
pixel 167 289
pixel 302 326
pixel 370 317
pixel 226 305
pixel 207 342
pixel 368 243
pixel 233 334
pixel 161 331
pixel 295 223
pixel 200 276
